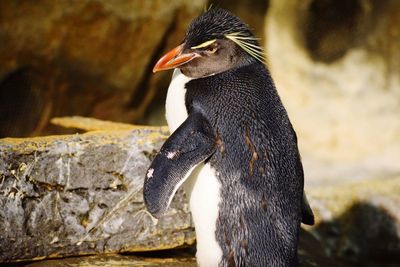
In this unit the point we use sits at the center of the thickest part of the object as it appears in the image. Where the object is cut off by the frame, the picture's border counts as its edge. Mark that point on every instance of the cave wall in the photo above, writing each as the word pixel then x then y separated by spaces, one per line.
pixel 88 57
pixel 336 66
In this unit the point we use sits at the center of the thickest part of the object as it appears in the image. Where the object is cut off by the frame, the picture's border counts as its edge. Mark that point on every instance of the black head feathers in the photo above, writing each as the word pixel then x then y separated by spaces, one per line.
pixel 214 23
pixel 217 23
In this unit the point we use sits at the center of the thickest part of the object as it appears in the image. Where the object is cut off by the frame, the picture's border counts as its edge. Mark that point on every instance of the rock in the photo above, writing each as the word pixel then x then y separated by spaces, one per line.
pixel 254 14
pixel 311 252
pixel 117 261
pixel 336 67
pixel 88 58
pixel 92 124
pixel 359 222
pixel 82 194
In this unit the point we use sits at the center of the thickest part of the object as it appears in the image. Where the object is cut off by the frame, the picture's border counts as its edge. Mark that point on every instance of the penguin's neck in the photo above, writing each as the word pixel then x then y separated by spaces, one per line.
pixel 175 107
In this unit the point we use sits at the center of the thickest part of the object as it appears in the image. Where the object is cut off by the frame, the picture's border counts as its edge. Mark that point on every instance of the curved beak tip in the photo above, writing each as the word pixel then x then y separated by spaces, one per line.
pixel 173 59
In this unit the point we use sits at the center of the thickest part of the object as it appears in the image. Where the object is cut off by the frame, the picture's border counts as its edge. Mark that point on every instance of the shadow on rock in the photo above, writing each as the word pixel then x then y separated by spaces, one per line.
pixel 365 235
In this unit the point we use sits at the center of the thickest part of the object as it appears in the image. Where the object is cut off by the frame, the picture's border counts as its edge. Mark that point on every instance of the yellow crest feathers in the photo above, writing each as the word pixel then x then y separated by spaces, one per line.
pixel 251 48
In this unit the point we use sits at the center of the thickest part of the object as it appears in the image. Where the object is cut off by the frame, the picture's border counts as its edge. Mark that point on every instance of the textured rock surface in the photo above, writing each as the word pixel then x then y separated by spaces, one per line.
pixel 83 58
pixel 79 194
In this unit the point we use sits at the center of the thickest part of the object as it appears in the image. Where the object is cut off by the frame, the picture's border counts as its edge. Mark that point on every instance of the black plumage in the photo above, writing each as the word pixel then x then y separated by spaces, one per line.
pixel 237 124
pixel 258 163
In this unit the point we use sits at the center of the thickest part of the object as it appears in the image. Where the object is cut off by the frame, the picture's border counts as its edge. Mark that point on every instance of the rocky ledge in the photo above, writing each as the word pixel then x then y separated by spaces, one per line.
pixel 82 194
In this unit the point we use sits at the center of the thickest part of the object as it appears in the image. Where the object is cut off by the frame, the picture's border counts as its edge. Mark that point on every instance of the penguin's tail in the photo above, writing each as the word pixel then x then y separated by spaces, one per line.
pixel 307 215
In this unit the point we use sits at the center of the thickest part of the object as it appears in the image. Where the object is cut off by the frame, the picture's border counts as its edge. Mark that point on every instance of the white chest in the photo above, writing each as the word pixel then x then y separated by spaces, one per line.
pixel 175 109
pixel 202 186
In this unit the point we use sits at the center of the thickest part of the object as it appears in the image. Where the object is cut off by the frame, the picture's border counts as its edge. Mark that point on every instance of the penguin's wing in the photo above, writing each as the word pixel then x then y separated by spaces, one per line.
pixel 307 215
pixel 190 144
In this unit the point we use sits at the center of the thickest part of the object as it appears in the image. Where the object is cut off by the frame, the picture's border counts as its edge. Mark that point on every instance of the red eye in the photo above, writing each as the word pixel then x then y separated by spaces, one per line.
pixel 211 49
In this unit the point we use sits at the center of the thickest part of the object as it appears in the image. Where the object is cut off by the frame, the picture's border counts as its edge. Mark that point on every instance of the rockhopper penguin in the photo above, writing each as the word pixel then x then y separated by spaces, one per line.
pixel 234 147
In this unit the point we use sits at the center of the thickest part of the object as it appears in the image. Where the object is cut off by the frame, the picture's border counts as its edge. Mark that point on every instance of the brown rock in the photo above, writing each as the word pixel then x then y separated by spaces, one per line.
pixel 117 261
pixel 85 58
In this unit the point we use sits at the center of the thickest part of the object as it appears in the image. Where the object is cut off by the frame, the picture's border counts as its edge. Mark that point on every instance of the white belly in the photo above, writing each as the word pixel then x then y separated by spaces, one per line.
pixel 202 187
pixel 204 200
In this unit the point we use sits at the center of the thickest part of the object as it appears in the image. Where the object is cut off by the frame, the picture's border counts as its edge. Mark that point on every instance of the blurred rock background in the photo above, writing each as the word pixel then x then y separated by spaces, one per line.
pixel 91 58
pixel 336 64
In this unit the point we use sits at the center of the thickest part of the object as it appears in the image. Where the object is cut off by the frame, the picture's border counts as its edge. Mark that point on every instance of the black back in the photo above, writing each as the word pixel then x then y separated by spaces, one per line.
pixel 258 166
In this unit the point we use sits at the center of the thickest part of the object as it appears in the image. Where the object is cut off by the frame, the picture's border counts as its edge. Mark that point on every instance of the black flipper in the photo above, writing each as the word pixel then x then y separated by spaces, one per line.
pixel 307 215
pixel 190 144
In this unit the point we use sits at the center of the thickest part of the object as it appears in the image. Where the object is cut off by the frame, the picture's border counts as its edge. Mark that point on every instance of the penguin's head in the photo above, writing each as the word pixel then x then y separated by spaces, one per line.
pixel 216 41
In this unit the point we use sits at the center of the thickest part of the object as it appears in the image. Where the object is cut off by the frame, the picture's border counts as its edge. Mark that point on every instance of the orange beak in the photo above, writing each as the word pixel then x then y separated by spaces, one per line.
pixel 173 59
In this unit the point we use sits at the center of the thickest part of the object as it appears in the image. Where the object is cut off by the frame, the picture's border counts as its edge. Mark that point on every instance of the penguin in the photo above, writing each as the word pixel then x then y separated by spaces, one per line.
pixel 232 146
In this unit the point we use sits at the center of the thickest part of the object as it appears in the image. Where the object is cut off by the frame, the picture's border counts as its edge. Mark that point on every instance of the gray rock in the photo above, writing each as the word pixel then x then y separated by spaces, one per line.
pixel 81 194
